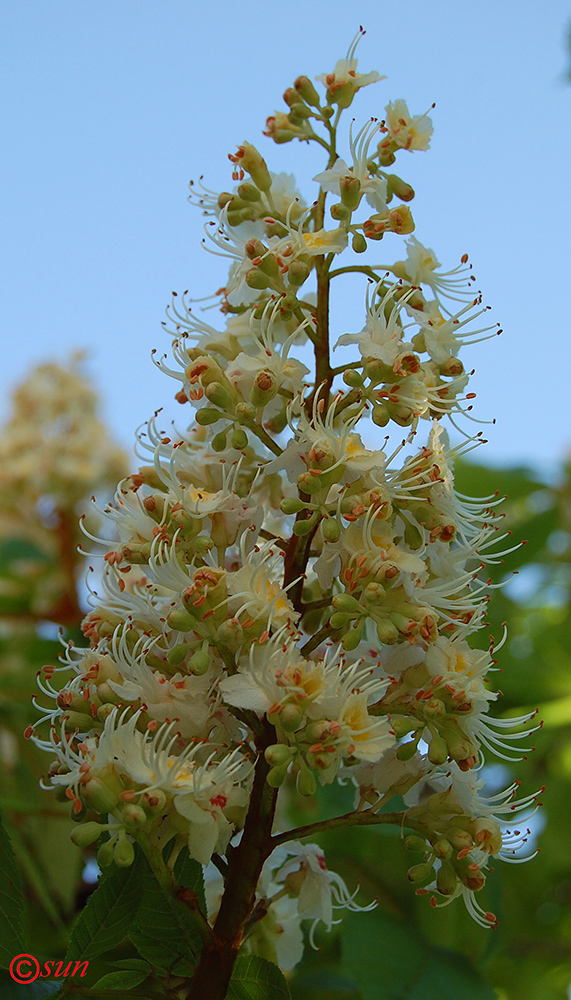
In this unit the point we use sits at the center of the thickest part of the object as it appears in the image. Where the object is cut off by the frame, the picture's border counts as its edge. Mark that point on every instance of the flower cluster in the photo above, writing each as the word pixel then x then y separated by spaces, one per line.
pixel 282 605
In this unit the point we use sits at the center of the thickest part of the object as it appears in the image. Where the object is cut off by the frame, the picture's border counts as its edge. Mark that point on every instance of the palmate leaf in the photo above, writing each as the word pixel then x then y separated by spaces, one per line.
pixel 111 909
pixel 163 931
pixel 255 978
pixel 11 903
pixel 387 957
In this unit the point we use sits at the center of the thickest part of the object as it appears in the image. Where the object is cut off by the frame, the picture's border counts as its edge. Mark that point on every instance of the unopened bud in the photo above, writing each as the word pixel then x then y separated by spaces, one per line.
pixel 290 718
pixel 399 187
pixel 406 751
pixel 340 212
pixel 298 272
pixel 331 530
pixel 105 853
pixel 207 415
pixel 419 873
pixel 278 754
pixel 255 248
pixel 350 188
pixel 219 395
pixel 248 192
pixel 265 388
pixel 351 639
pixel 99 796
pixel 276 776
pixel 438 750
pixel 415 844
pixel 291 505
pixel 133 815
pixel 245 413
pixel 446 879
pixel 305 89
pixel 255 278
pixel 359 243
pixel 124 853
pixel 353 378
pixel 199 663
pixel 181 621
pixel 387 632
pixel 443 848
pixel 86 834
pixel 239 439
pixel 253 162
pixel 306 783
pixel 219 441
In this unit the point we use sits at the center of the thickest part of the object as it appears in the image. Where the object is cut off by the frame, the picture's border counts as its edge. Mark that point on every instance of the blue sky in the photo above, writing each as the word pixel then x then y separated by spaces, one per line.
pixel 111 106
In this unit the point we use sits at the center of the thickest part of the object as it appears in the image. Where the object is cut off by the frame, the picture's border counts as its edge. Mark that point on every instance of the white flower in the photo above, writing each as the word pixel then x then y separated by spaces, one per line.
pixel 343 83
pixel 375 188
pixel 381 337
pixel 406 130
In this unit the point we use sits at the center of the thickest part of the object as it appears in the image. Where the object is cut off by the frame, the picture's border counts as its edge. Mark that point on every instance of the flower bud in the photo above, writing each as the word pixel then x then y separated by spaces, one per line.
pixel 245 413
pixel 199 663
pixel 438 750
pixel 207 415
pixel 344 602
pixel 415 844
pixel 124 853
pixel 291 505
pixel 219 441
pixel 340 212
pixel 100 796
pixel 353 378
pixel 255 278
pixel 290 718
pixel 230 632
pixel 406 751
pixel 276 776
pixel 298 272
pixel 219 395
pixel 253 163
pixel 86 834
pixel 305 782
pixel 308 483
pixel 105 853
pixel 265 388
pixel 248 192
pixel 351 639
pixel 239 439
pixel 402 725
pixel 307 91
pixel 255 248
pixel 401 220
pixel 181 621
pixel 155 801
pixel 420 873
pixel 359 243
pixel 133 815
pixel 443 849
pixel 278 754
pixel 350 188
pixel 387 632
pixel 339 620
pixel 446 879
pixel 331 530
pixel 399 187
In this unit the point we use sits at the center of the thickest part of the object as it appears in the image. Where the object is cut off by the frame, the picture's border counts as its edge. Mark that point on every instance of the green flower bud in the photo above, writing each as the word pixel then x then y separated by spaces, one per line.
pixel 399 187
pixel 230 632
pixel 99 796
pixel 265 388
pixel 278 754
pixel 339 620
pixel 387 632
pixel 374 593
pixel 248 192
pixel 307 91
pixel 353 378
pixel 255 278
pixel 359 243
pixel 350 188
pixel 254 164
pixel 401 725
pixel 443 849
pixel 181 621
pixel 219 395
pixel 305 782
pixel 310 483
pixel 86 834
pixel 340 212
pixel 331 530
pixel 276 776
pixel 291 718
pixel 199 663
pixel 415 844
pixel 351 640
pixel 406 751
pixel 207 415
pixel 133 815
pixel 446 879
pixel 219 442
pixel 155 801
pixel 255 248
pixel 245 413
pixel 344 602
pixel 239 439
pixel 124 853
pixel 290 505
pixel 438 750
pixel 297 273
pixel 105 853
pixel 104 711
pixel 419 873
pixel 380 415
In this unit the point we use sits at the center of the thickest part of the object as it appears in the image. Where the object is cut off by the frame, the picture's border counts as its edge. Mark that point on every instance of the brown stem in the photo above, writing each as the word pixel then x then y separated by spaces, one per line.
pixel 67 611
pixel 366 818
pixel 214 970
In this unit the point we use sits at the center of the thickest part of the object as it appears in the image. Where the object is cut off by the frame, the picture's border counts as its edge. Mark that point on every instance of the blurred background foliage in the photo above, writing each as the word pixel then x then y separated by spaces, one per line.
pixel 54 454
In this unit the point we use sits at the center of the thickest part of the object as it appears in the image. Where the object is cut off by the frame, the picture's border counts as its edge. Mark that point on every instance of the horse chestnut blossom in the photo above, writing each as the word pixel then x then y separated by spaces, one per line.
pixel 288 597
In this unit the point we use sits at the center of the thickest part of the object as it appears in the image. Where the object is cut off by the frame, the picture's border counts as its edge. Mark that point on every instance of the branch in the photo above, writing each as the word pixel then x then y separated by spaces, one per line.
pixel 366 818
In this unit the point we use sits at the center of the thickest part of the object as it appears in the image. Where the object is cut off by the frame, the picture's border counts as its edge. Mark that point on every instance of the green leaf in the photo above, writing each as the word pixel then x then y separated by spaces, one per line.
pixel 11 903
pixel 108 916
pixel 134 965
pixel 324 984
pixel 122 979
pixel 188 873
pixel 387 957
pixel 255 978
pixel 163 932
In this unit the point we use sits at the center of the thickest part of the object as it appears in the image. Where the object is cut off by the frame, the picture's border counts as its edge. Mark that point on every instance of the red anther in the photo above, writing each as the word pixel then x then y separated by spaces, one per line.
pixel 28 732
pixel 152 725
pixel 200 601
pixel 77 806
pixel 419 694
pixel 207 614
pixel 69 794
pixel 433 902
pixel 219 800
pixel 316 748
pixel 421 892
pixel 128 795
pixel 464 852
pixel 94 710
pixel 265 635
